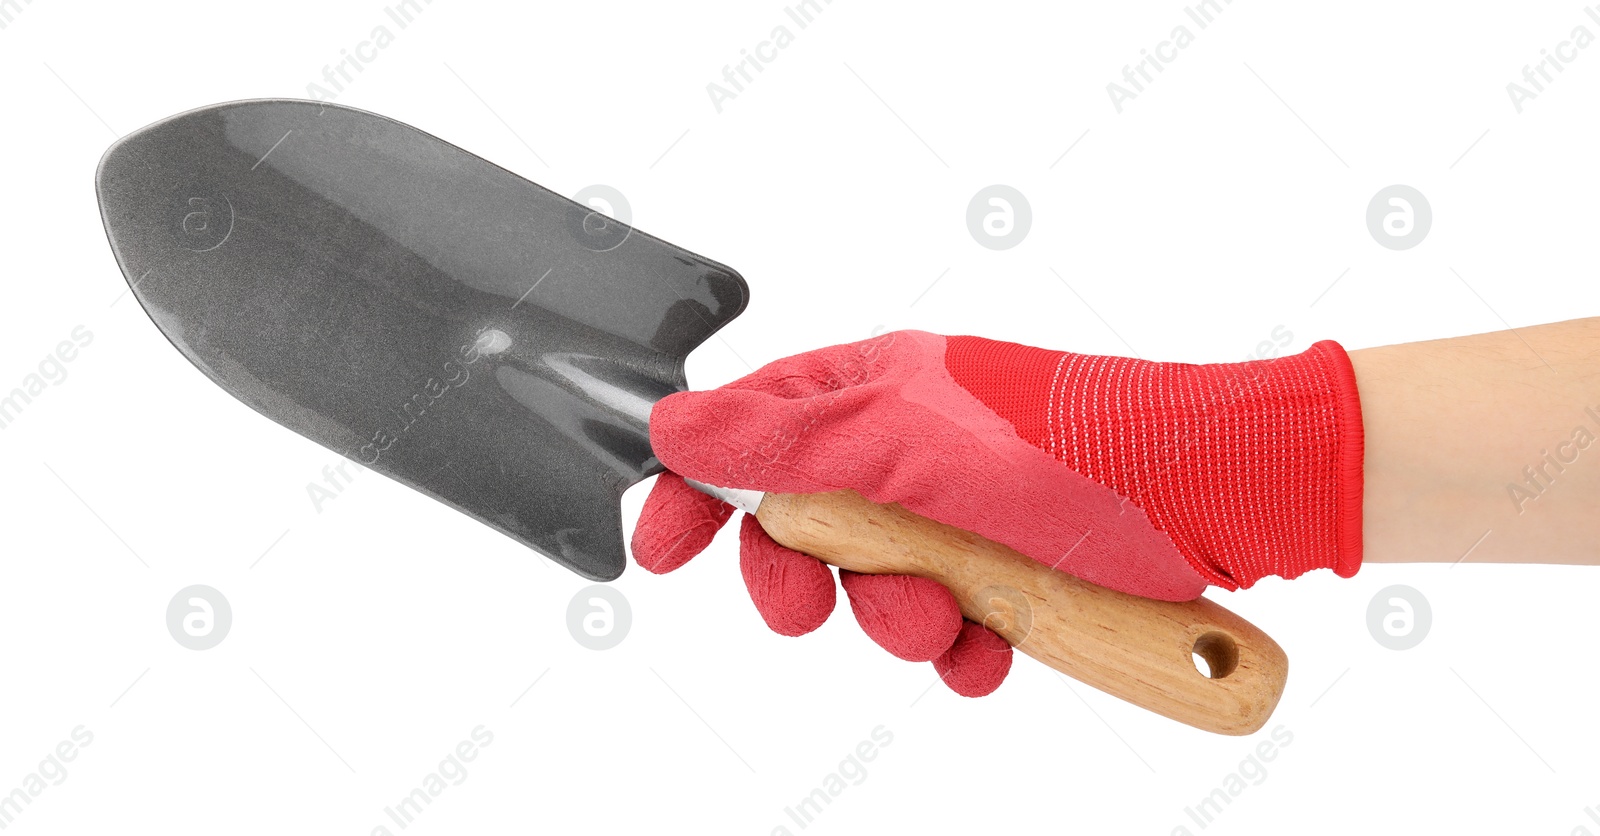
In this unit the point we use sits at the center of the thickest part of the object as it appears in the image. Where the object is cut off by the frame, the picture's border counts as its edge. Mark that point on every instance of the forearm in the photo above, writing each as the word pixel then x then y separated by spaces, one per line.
pixel 1488 443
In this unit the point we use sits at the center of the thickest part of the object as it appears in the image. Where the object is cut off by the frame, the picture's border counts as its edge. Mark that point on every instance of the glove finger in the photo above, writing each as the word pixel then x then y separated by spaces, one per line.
pixel 820 370
pixel 677 523
pixel 977 663
pixel 772 429
pixel 739 438
pixel 916 619
pixel 794 592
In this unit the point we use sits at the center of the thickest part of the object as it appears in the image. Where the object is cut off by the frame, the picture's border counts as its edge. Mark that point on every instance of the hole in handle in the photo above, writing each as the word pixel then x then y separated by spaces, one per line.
pixel 1215 655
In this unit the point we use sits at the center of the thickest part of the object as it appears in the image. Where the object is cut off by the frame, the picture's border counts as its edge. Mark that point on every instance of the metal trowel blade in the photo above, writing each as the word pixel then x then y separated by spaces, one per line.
pixel 415 308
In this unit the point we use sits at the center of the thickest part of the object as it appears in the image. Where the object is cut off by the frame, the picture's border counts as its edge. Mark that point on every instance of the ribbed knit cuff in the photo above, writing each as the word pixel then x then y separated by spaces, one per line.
pixel 1351 456
pixel 1251 468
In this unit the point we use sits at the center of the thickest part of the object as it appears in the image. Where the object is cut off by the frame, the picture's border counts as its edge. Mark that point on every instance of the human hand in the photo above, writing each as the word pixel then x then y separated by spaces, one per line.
pixel 1152 478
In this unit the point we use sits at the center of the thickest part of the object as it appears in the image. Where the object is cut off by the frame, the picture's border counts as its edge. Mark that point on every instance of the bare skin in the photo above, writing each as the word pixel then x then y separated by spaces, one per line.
pixel 1484 449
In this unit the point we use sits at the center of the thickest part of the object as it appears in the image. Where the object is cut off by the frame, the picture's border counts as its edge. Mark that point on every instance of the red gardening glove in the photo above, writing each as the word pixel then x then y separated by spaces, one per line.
pixel 1152 478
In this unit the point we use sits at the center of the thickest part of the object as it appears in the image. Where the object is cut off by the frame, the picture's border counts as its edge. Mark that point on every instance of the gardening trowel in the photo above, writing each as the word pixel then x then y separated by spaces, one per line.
pixel 498 347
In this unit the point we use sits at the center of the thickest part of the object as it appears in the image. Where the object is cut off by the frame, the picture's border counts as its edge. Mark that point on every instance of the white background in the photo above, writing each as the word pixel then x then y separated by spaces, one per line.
pixel 378 633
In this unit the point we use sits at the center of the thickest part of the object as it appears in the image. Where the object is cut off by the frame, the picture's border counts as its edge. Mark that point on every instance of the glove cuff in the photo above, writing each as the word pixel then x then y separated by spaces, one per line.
pixel 1349 456
pixel 1251 468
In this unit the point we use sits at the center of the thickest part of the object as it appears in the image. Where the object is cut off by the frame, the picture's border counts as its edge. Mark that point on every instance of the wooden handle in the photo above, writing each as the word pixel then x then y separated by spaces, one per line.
pixel 1134 648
